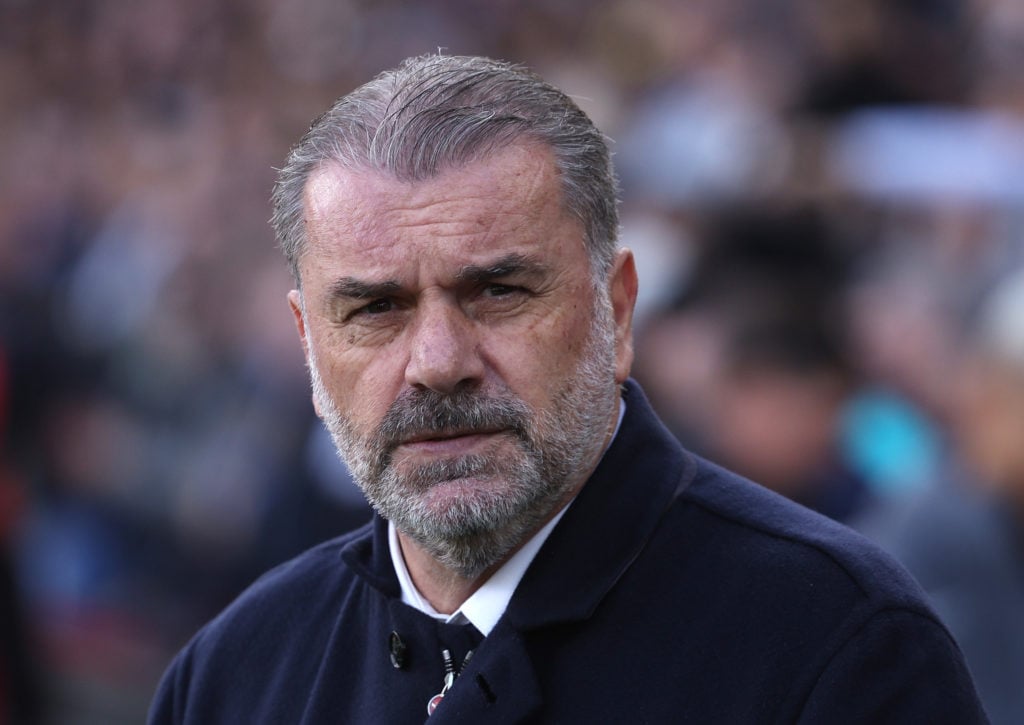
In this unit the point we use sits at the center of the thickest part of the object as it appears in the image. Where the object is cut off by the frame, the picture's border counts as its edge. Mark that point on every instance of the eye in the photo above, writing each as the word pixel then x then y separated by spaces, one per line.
pixel 377 307
pixel 500 299
pixel 501 290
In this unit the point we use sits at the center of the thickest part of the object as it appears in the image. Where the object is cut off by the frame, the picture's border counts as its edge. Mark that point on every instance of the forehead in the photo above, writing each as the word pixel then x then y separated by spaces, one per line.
pixel 507 200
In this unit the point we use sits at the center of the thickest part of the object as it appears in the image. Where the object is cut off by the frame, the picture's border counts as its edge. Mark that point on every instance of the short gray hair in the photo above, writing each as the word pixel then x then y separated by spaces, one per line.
pixel 438 112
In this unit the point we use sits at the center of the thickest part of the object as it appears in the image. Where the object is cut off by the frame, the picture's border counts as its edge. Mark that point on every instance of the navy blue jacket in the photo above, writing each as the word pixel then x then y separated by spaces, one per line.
pixel 671 592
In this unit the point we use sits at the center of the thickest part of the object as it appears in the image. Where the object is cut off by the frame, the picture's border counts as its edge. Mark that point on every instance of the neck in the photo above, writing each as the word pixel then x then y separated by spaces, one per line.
pixel 444 588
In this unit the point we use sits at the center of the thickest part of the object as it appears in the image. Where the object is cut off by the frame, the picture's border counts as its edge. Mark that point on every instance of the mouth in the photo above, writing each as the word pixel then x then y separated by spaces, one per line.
pixel 449 442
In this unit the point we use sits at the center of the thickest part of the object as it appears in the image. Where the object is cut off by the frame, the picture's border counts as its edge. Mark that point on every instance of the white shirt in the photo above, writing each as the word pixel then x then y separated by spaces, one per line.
pixel 485 606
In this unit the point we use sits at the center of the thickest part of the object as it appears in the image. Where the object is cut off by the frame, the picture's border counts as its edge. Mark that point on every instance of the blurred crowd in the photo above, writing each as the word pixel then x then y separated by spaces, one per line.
pixel 826 199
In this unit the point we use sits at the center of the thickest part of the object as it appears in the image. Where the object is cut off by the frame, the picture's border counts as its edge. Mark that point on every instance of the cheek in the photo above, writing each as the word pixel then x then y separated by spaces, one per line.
pixel 360 382
pixel 537 358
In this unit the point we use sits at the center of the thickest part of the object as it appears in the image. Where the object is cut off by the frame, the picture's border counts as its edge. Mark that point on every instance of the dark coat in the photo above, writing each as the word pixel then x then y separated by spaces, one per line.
pixel 671 591
pixel 966 549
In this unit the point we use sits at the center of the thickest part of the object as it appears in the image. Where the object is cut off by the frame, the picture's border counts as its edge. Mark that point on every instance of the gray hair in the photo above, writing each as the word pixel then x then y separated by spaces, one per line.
pixel 438 112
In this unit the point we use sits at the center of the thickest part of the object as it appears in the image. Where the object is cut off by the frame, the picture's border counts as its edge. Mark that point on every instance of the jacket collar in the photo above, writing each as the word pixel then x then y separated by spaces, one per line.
pixel 368 556
pixel 608 524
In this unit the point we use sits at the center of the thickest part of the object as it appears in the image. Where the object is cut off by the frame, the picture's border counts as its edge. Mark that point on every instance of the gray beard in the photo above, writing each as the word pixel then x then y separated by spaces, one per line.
pixel 553 449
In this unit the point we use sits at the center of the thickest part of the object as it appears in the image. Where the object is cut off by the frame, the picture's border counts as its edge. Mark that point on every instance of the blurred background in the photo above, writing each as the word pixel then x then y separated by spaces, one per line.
pixel 826 199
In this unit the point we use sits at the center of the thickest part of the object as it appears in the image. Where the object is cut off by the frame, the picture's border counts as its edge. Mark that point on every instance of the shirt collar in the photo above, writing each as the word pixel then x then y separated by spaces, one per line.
pixel 485 606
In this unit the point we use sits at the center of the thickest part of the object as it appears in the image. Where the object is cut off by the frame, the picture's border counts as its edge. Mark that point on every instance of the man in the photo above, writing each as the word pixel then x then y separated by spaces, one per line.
pixel 544 550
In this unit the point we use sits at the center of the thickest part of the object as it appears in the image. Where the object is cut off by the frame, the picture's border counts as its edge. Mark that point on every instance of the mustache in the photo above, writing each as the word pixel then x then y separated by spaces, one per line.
pixel 427 413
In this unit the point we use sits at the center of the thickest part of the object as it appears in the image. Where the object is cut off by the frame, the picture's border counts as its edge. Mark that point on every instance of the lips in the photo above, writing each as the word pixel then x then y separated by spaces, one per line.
pixel 448 442
pixel 443 435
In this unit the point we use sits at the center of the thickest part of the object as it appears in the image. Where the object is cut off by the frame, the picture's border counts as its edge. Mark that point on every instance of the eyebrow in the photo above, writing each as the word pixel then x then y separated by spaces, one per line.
pixel 357 289
pixel 352 288
pixel 506 266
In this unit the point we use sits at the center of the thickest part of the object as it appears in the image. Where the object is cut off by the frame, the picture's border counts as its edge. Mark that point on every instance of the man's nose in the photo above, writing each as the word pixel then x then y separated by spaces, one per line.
pixel 443 352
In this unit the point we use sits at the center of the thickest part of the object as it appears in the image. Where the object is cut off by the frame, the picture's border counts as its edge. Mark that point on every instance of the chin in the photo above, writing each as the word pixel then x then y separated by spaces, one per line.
pixel 464 496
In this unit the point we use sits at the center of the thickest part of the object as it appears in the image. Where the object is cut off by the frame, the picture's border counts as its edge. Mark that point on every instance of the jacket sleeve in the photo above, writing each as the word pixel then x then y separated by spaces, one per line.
pixel 900 666
pixel 169 702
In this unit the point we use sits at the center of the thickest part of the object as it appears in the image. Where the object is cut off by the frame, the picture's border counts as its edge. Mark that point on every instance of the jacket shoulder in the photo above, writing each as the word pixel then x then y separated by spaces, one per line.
pixel 772 533
pixel 836 623
pixel 281 622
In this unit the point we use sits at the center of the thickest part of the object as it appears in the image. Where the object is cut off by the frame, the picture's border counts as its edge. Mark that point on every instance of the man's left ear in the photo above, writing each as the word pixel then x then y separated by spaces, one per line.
pixel 623 287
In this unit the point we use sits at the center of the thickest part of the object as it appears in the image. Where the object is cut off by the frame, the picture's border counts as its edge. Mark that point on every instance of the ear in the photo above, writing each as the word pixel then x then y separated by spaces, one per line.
pixel 295 302
pixel 623 288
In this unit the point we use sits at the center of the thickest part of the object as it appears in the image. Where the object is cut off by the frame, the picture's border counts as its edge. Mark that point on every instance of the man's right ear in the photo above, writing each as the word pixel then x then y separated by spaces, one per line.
pixel 295 302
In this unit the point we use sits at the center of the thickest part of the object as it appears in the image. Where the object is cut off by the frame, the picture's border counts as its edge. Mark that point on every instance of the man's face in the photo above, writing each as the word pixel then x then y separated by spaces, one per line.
pixel 460 355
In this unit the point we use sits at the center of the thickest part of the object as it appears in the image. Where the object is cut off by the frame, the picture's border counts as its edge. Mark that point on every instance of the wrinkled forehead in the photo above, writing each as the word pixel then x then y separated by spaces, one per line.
pixel 504 164
pixel 519 183
pixel 508 201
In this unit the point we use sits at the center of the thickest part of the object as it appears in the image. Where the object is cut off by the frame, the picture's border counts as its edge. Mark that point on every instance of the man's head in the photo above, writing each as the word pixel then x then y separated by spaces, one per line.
pixel 437 112
pixel 465 315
